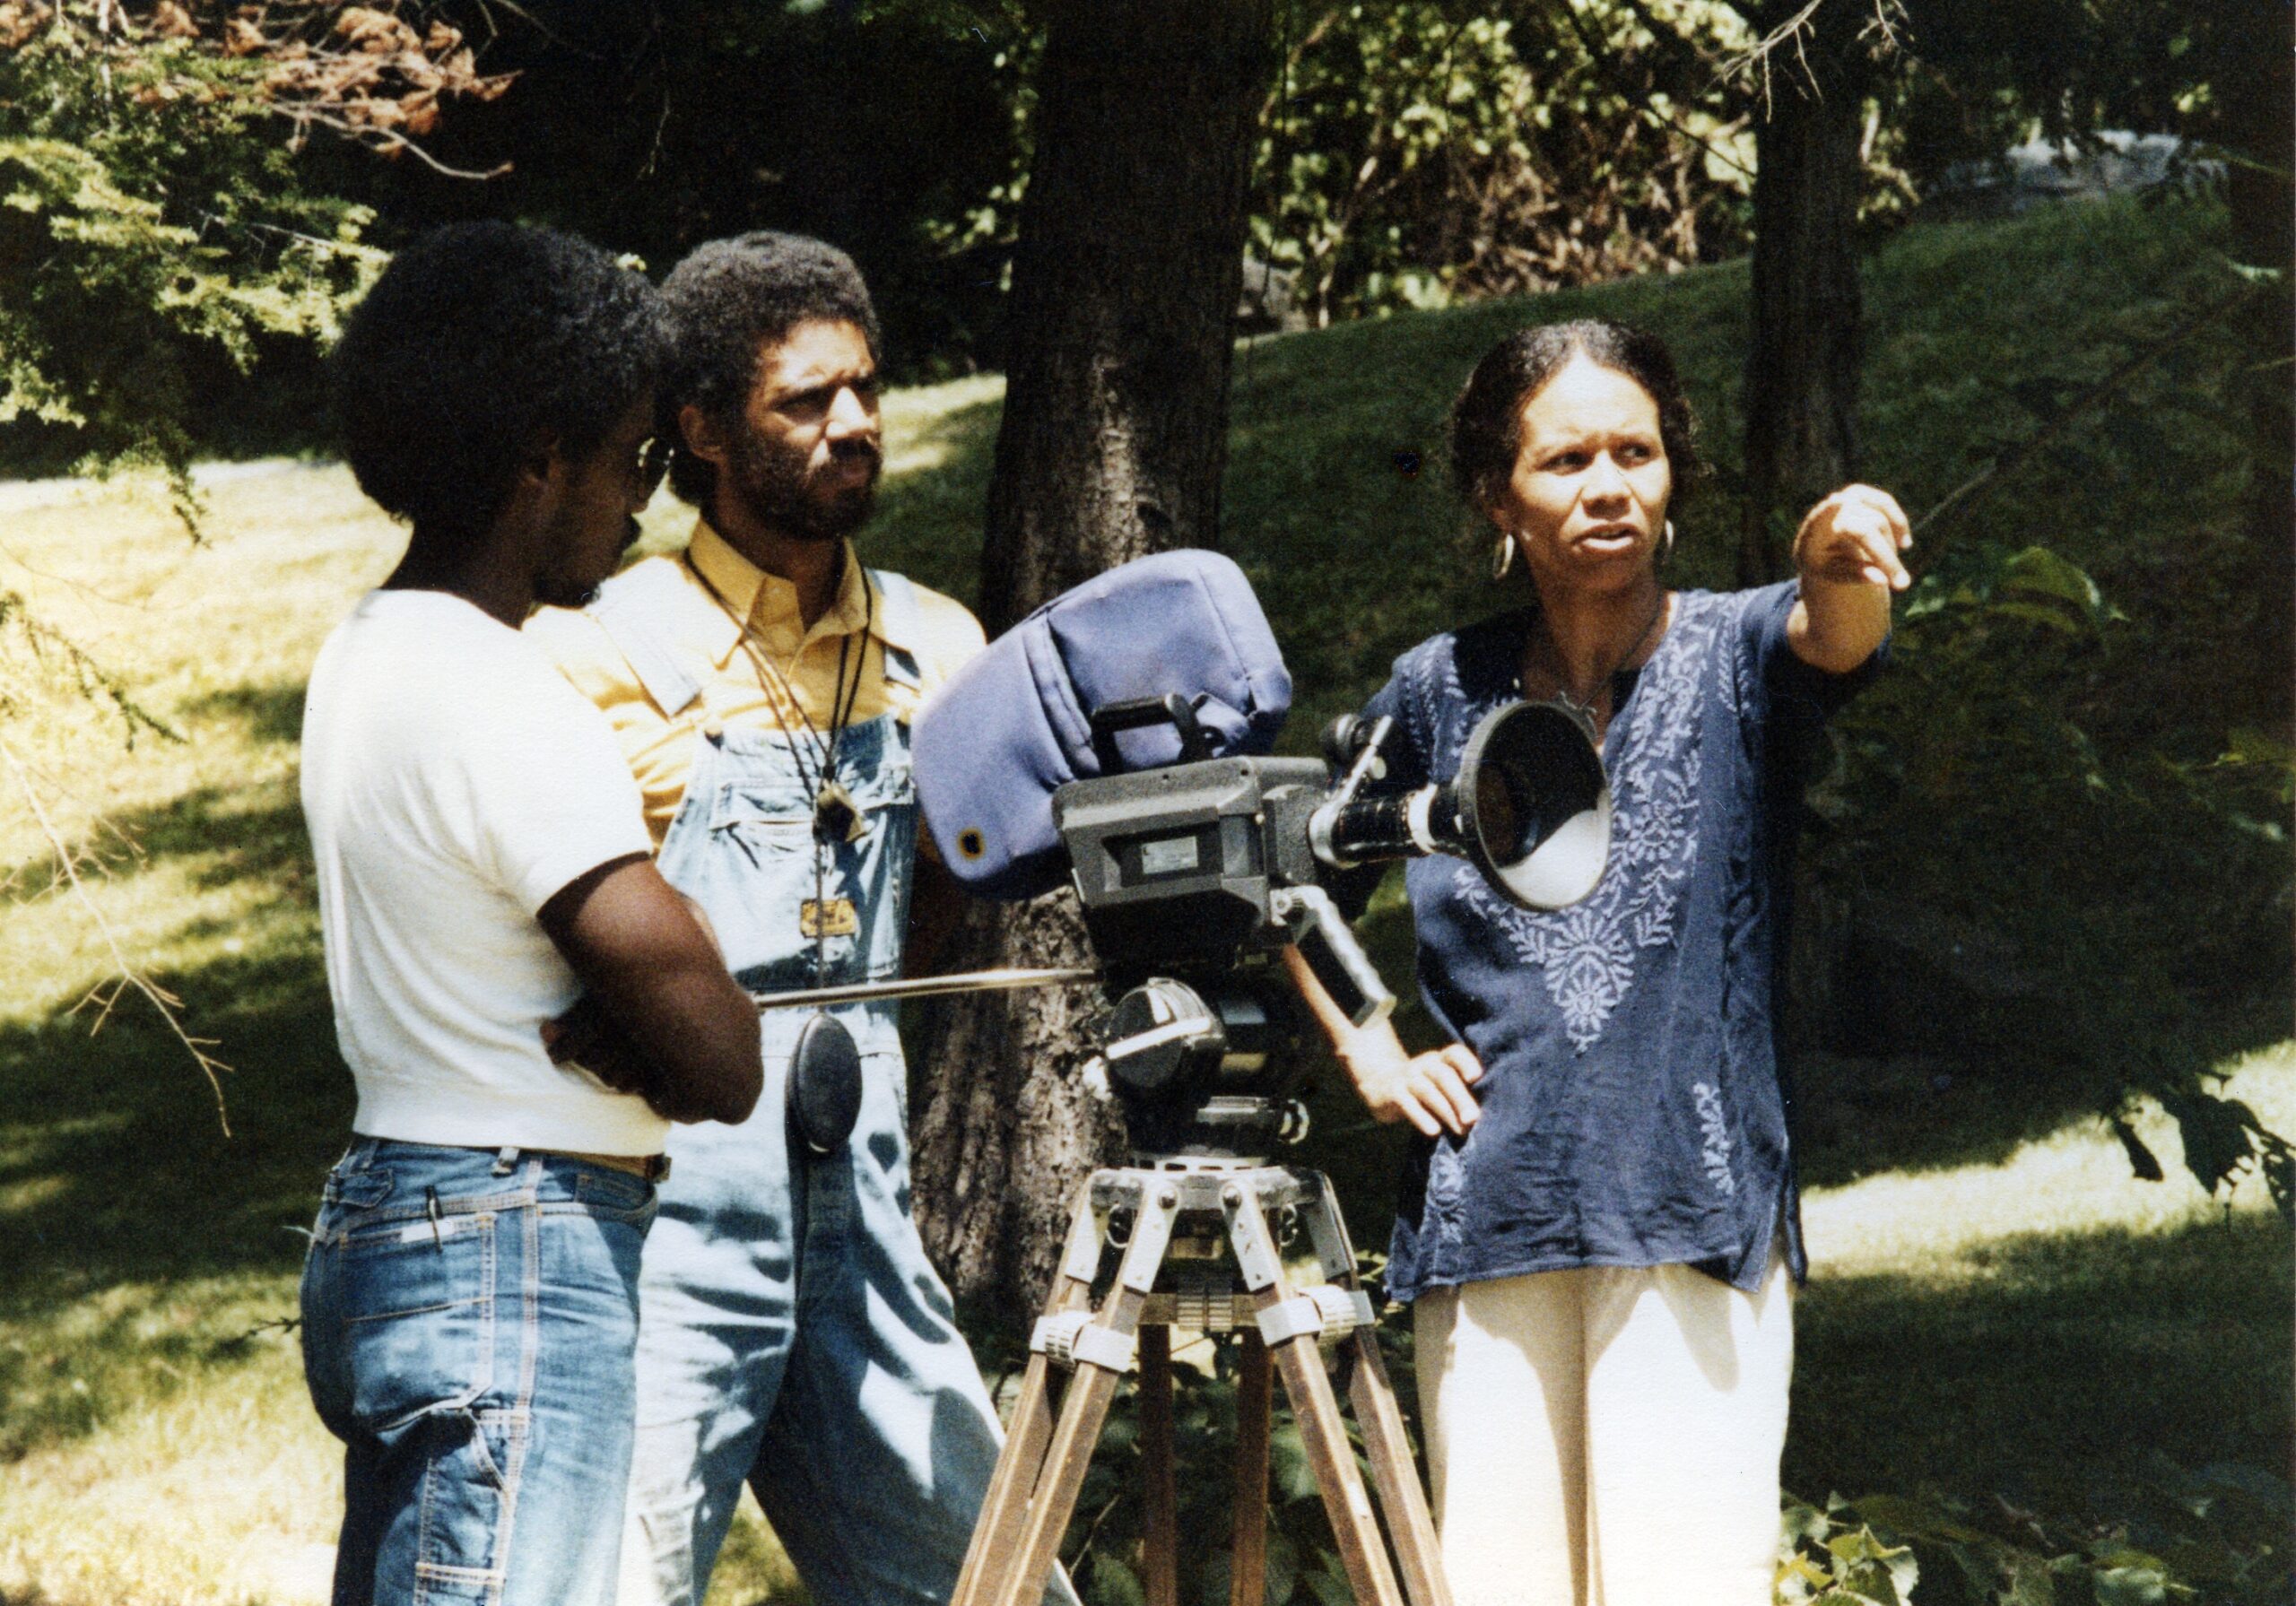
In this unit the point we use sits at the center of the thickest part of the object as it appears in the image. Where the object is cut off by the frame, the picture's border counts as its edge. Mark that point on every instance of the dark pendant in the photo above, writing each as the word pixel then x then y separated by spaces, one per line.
pixel 824 1096
pixel 836 818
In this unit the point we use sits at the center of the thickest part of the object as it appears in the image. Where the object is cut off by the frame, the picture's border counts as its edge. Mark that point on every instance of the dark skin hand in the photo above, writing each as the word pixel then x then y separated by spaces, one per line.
pixel 659 1015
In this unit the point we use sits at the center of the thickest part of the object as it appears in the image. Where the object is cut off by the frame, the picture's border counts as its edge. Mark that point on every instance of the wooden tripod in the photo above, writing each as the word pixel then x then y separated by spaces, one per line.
pixel 1212 1220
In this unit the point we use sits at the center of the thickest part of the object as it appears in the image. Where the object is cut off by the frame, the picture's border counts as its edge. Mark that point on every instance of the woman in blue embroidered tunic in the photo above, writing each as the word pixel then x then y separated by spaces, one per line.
pixel 1599 1234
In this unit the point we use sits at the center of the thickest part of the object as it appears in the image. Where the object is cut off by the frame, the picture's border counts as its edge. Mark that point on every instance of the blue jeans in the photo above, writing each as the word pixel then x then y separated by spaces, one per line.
pixel 468 1324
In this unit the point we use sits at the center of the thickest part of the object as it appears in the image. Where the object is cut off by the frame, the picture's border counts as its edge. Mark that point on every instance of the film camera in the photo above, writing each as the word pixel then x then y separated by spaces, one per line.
pixel 1116 740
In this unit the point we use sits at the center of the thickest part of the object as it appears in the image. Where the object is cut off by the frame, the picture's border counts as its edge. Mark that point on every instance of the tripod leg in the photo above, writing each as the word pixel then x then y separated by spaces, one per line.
pixel 1324 1436
pixel 1299 1360
pixel 1086 1406
pixel 1162 1542
pixel 996 1533
pixel 1386 1446
pixel 1417 1554
pixel 1255 1400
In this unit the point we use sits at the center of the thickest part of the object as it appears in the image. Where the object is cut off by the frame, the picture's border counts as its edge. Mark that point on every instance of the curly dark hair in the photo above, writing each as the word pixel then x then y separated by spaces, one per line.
pixel 726 300
pixel 1487 419
pixel 481 343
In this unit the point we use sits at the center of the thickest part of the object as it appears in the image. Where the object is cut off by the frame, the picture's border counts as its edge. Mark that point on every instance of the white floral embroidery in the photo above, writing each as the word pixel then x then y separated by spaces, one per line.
pixel 1715 1154
pixel 1586 952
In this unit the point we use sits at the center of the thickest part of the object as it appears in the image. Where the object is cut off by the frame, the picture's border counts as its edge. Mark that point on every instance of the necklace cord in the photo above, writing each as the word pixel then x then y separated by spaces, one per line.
pixel 1562 685
pixel 844 699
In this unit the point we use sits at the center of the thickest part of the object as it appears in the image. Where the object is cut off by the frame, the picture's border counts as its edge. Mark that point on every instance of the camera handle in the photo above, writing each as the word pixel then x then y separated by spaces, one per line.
pixel 1338 961
pixel 1171 709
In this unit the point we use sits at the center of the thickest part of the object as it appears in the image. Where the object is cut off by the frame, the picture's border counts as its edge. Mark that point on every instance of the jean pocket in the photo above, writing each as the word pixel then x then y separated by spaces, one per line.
pixel 403 1320
pixel 350 1191
pixel 607 1193
pixel 469 1489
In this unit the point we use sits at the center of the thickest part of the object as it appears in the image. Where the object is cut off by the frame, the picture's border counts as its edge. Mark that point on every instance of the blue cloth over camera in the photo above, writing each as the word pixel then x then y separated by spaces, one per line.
pixel 1014 725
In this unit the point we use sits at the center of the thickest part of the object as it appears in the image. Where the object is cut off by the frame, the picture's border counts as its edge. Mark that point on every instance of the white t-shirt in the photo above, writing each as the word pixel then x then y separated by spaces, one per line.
pixel 453 783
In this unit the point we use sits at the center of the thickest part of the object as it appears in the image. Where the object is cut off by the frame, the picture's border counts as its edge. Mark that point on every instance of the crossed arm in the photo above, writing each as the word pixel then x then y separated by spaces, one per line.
pixel 659 1014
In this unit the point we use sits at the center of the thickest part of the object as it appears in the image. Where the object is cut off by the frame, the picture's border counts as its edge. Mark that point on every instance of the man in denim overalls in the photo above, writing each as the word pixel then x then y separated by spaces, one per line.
pixel 793 1334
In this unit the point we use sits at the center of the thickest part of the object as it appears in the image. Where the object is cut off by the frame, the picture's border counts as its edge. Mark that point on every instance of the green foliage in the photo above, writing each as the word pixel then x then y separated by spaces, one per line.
pixel 154 225
pixel 2099 889
pixel 2205 1538
pixel 2056 827
pixel 1416 152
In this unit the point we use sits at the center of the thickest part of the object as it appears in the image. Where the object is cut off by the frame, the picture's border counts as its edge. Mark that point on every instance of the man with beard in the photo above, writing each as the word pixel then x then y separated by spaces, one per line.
pixel 794 1335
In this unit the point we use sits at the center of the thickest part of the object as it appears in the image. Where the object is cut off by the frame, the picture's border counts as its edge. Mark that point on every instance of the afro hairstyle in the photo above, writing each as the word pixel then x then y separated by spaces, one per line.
pixel 727 301
pixel 480 343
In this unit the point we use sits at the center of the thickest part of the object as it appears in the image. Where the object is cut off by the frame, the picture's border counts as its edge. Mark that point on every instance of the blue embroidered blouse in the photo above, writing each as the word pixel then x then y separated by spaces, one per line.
pixel 1633 1108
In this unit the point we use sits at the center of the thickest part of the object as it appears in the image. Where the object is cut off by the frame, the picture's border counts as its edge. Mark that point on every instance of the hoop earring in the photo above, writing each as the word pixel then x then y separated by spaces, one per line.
pixel 1503 558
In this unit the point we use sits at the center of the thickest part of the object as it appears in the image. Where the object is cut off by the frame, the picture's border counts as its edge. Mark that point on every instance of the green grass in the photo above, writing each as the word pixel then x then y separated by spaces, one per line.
pixel 1998 1309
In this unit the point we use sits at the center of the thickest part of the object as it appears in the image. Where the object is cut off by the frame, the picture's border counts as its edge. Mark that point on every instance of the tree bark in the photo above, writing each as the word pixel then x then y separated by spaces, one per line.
pixel 1122 319
pixel 1801 381
pixel 2256 119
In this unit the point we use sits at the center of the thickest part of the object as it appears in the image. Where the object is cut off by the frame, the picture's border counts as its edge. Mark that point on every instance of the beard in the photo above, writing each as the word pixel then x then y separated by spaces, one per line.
pixel 778 489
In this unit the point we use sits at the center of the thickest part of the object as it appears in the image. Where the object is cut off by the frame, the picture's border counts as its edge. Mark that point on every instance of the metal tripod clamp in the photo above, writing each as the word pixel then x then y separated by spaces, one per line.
pixel 1326 1311
pixel 1073 1337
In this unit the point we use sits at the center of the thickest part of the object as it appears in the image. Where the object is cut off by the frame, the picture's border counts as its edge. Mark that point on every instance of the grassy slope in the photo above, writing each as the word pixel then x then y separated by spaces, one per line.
pixel 2011 1312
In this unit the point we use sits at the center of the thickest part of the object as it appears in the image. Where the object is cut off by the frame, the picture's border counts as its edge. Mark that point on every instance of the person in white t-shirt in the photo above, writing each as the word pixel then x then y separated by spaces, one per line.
pixel 524 1003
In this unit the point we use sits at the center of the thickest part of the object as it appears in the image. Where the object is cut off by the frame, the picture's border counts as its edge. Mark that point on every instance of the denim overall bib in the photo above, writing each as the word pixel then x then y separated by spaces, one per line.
pixel 792 1334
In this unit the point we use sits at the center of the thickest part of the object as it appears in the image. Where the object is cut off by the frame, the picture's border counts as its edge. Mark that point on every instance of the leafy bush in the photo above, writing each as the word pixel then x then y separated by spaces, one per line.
pixel 2211 1538
pixel 1417 153
pixel 2067 890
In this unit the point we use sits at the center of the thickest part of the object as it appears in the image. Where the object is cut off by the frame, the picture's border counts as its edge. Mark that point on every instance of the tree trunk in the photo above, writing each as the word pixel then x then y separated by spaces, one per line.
pixel 2256 119
pixel 1114 436
pixel 1801 387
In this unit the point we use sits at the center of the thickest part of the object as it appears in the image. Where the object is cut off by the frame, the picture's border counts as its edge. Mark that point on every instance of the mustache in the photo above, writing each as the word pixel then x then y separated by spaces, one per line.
pixel 859 450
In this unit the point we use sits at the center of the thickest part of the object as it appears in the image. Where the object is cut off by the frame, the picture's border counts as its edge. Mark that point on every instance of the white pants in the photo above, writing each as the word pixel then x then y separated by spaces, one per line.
pixel 1607 1436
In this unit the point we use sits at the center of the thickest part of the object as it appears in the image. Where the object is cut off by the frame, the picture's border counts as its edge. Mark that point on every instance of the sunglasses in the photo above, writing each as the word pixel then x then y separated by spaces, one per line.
pixel 653 464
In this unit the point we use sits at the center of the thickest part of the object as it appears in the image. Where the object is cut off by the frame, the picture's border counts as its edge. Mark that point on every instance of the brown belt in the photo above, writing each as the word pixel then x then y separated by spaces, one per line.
pixel 653 1167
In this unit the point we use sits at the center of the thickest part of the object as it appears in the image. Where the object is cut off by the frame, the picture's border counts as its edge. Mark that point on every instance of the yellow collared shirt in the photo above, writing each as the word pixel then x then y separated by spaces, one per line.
pixel 708 641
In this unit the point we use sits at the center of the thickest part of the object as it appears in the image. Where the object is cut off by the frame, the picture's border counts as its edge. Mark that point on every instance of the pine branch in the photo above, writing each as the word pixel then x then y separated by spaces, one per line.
pixel 126 975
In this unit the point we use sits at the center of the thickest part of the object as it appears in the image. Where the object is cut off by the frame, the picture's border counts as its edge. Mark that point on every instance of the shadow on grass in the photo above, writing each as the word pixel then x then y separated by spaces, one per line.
pixel 118 1187
pixel 238 833
pixel 929 523
pixel 268 713
pixel 2055 1375
pixel 1857 1116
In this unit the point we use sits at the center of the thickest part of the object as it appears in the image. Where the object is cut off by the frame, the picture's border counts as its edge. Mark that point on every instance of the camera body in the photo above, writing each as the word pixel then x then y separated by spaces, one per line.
pixel 1177 868
pixel 1191 877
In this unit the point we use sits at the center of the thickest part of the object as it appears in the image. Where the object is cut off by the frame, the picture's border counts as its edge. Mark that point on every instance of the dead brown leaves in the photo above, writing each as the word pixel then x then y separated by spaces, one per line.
pixel 378 74
pixel 374 75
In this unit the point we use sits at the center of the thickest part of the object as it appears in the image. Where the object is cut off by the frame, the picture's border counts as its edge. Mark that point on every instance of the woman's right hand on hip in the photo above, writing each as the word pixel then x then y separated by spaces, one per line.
pixel 1431 1090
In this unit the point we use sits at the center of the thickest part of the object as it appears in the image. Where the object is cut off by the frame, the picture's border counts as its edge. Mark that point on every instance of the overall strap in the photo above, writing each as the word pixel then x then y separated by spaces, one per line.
pixel 903 617
pixel 628 616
